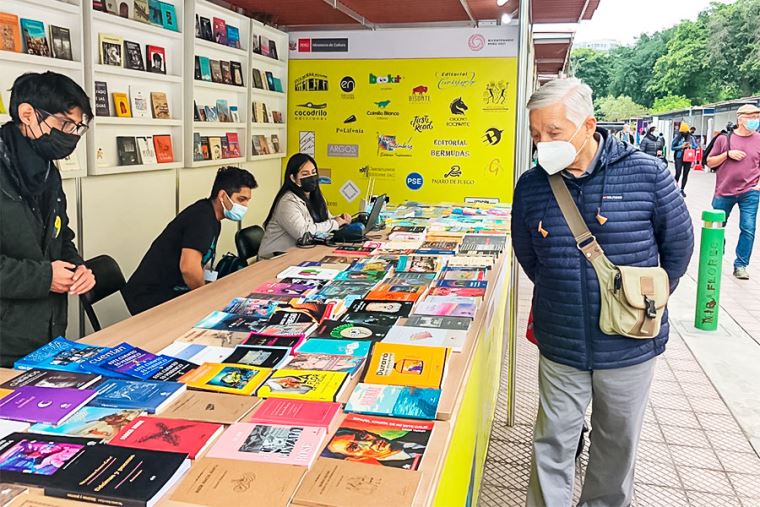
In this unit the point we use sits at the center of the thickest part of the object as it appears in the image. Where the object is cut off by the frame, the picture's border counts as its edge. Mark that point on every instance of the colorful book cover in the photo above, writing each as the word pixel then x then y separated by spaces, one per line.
pixel 303 385
pixel 60 355
pixel 386 441
pixel 464 274
pixel 259 356
pixel 91 422
pixel 418 264
pixel 343 289
pixel 43 404
pixel 35 41
pixel 31 459
pixel 220 31
pixel 281 289
pixel 232 322
pixel 295 329
pixel 51 378
pixel 337 347
pixel 458 291
pixel 446 309
pixel 358 250
pixel 396 308
pixel 318 414
pixel 226 378
pixel 10 35
pixel 396 292
pixel 463 284
pixel 213 337
pixel 309 272
pixel 406 365
pixel 301 313
pixel 151 396
pixel 349 331
pixel 168 435
pixel 394 401
pixel 325 362
pixel 427 336
pixel 373 319
pixel 286 445
pixel 196 353
pixel 233 36
pixel 260 309
pixel 164 150
pixel 362 276
pixel 274 341
pixel 125 360
pixel 455 323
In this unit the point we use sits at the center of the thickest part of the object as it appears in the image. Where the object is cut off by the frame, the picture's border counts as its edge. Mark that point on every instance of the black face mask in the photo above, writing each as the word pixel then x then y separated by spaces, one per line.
pixel 310 183
pixel 55 145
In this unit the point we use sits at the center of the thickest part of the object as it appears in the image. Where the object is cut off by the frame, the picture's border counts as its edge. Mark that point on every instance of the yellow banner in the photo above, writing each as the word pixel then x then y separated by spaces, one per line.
pixel 427 130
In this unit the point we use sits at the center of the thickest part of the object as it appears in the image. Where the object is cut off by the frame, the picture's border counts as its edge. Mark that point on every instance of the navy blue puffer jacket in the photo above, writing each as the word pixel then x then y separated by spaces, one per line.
pixel 648 224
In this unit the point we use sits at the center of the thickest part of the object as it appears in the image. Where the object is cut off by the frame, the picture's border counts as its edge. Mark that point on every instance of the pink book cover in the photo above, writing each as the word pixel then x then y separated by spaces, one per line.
pixel 283 411
pixel 446 309
pixel 270 443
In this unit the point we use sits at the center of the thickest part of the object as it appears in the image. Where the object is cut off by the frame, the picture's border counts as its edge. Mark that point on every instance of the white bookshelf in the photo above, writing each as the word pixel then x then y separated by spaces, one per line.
pixel 206 93
pixel 102 138
pixel 273 100
pixel 65 14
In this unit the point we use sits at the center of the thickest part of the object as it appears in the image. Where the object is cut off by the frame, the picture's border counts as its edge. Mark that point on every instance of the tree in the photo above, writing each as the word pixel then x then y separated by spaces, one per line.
pixel 734 47
pixel 593 68
pixel 670 103
pixel 620 108
pixel 631 70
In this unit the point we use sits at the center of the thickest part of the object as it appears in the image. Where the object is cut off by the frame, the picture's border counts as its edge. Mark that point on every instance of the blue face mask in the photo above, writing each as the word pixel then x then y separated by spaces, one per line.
pixel 236 213
pixel 753 124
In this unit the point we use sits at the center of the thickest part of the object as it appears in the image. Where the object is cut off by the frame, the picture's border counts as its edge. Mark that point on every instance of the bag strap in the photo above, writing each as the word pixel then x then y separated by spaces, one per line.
pixel 584 240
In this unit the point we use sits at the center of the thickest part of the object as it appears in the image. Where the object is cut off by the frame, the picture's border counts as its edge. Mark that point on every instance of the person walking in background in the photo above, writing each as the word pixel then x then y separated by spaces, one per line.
pixel 645 224
pixel 737 160
pixel 651 144
pixel 683 147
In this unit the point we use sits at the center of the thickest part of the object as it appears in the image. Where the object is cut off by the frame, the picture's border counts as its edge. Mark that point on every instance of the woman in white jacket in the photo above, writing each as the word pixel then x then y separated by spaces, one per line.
pixel 299 207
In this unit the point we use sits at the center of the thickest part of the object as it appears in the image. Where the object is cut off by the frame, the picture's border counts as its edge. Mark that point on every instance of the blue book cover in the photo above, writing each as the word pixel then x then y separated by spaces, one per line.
pixel 394 401
pixel 336 347
pixel 169 17
pixel 60 355
pixel 91 422
pixel 135 394
pixel 96 364
pixel 463 284
pixel 233 36
pixel 126 361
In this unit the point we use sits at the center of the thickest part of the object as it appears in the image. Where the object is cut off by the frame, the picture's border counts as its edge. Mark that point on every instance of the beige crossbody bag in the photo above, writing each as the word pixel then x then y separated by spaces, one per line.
pixel 633 299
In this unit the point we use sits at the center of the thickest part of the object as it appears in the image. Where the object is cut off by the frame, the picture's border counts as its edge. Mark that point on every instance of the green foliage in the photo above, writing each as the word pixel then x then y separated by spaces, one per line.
pixel 715 58
pixel 670 103
pixel 620 108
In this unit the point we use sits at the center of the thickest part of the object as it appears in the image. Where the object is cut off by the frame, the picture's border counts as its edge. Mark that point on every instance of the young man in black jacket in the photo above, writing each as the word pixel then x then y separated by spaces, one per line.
pixel 39 264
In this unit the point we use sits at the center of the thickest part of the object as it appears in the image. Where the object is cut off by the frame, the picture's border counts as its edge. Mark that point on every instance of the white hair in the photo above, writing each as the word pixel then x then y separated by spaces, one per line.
pixel 572 92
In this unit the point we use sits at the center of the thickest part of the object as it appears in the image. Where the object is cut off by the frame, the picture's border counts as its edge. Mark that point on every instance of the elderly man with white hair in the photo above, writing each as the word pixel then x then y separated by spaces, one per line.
pixel 630 204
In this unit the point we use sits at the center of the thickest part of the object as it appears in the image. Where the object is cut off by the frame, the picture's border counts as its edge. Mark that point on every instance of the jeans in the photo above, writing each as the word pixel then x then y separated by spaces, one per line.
pixel 748 202
pixel 682 171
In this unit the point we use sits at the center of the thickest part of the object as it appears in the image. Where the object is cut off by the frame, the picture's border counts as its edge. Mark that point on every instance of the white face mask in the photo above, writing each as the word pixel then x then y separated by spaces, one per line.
pixel 554 156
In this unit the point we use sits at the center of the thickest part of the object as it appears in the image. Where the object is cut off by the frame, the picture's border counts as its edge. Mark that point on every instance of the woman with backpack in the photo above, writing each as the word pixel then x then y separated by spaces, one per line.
pixel 684 147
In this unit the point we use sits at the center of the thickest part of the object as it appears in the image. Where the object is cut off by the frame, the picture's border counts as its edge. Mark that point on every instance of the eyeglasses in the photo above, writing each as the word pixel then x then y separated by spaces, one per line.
pixel 67 126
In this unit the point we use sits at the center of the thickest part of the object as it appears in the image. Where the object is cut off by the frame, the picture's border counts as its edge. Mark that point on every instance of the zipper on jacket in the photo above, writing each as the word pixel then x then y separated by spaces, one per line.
pixel 584 283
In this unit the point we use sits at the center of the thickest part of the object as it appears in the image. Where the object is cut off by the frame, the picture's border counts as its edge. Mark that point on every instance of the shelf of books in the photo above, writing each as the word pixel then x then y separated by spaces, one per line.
pixel 39 35
pixel 134 71
pixel 268 87
pixel 216 85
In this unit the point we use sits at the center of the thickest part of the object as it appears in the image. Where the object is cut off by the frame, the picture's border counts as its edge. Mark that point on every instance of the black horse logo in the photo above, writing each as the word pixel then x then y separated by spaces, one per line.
pixel 458 106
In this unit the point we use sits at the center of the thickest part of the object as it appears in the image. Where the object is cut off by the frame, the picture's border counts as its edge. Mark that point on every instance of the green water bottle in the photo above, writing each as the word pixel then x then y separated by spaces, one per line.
pixel 710 264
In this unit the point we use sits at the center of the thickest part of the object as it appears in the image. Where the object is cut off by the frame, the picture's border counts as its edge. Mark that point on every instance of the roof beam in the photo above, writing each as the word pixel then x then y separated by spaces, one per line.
pixel 340 6
pixel 466 7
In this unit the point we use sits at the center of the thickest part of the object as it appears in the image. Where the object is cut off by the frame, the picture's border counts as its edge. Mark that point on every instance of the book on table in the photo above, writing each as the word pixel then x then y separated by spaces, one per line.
pixel 427 336
pixel 51 405
pixel 127 361
pixel 51 378
pixel 354 348
pixel 60 355
pixel 168 435
pixel 334 329
pixel 210 406
pixel 407 365
pixel 150 396
pixel 394 401
pixel 325 362
pixel 258 355
pixel 319 414
pixel 292 444
pixel 226 378
pixel 303 385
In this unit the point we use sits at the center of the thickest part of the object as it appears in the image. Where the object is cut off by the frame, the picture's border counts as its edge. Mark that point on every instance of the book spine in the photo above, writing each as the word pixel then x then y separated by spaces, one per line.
pixel 66 494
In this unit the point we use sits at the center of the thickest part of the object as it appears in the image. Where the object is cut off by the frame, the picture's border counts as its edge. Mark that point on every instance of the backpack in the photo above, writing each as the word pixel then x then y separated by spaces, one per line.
pixel 229 263
pixel 706 151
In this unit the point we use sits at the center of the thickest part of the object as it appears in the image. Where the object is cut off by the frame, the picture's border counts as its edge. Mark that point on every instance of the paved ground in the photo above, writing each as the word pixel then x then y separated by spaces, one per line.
pixel 704 409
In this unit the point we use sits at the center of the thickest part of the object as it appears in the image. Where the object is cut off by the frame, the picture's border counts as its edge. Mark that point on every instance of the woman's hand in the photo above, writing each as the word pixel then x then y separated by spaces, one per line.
pixel 343 219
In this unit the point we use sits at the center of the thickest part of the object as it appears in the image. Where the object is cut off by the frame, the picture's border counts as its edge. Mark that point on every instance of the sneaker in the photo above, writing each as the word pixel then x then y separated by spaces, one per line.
pixel 683 194
pixel 741 273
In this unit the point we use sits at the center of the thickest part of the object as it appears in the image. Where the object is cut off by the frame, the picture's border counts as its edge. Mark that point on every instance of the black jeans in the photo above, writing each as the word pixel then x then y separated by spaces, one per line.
pixel 682 169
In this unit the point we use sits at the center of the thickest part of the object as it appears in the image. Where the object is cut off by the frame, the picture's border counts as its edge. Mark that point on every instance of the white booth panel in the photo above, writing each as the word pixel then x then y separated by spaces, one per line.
pixel 69 188
pixel 268 174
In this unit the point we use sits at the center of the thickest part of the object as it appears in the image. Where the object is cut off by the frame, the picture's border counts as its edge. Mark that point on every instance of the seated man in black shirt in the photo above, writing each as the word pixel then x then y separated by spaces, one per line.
pixel 176 260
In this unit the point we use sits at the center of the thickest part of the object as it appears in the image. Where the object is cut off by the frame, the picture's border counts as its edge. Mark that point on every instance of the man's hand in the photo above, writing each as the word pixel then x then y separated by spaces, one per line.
pixel 343 219
pixel 63 277
pixel 659 153
pixel 84 281
pixel 736 155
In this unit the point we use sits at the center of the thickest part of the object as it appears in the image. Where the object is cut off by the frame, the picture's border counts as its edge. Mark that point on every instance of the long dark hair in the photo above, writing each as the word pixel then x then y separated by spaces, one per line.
pixel 315 203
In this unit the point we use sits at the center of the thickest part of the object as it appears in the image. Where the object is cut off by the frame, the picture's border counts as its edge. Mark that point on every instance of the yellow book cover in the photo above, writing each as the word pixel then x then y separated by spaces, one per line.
pixel 5 392
pixel 226 378
pixel 407 365
pixel 121 105
pixel 111 49
pixel 303 385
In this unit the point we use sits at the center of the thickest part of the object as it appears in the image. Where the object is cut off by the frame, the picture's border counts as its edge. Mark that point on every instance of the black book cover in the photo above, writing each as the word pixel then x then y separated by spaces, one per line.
pixel 174 370
pixel 257 81
pixel 398 308
pixel 206 32
pixel 197 27
pixel 273 50
pixel 216 72
pixel 373 319
pixel 257 355
pixel 197 73
pixel 337 330
pixel 278 341
pixel 197 148
pixel 270 80
pixel 102 99
pixel 134 59
pixel 226 72
pixel 237 73
pixel 35 460
pixel 196 113
pixel 299 313
pixel 117 476
pixel 60 41
pixel 51 378
pixel 127 148
pixel 436 322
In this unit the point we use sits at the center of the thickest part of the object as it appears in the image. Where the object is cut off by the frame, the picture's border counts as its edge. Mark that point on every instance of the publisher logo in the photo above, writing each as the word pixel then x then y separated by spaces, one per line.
pixel 389 146
pixel 454 172
pixel 343 150
pixel 493 136
pixel 347 84
pixel 384 79
pixel 414 181
pixel 458 106
pixel 476 42
pixel 304 45
pixel 449 148
pixel 455 80
pixel 348 130
pixel 453 177
pixel 421 123
pixel 311 82
pixel 495 96
pixel 419 95
pixel 310 110
pixel 382 112
pixel 350 119
pixel 458 111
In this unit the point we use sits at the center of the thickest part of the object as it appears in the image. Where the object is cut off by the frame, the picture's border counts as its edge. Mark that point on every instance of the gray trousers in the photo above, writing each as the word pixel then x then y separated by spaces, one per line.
pixel 619 399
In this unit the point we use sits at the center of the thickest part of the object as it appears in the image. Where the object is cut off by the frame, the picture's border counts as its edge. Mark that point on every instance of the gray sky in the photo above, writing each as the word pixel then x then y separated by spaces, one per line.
pixel 623 20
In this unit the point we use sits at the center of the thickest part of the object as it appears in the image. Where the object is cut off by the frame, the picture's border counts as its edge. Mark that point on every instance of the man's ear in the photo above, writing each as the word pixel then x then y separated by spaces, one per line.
pixel 26 114
pixel 590 124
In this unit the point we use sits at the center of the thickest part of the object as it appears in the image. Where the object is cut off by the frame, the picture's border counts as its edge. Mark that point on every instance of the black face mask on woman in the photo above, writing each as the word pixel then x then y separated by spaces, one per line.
pixel 310 183
pixel 55 145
